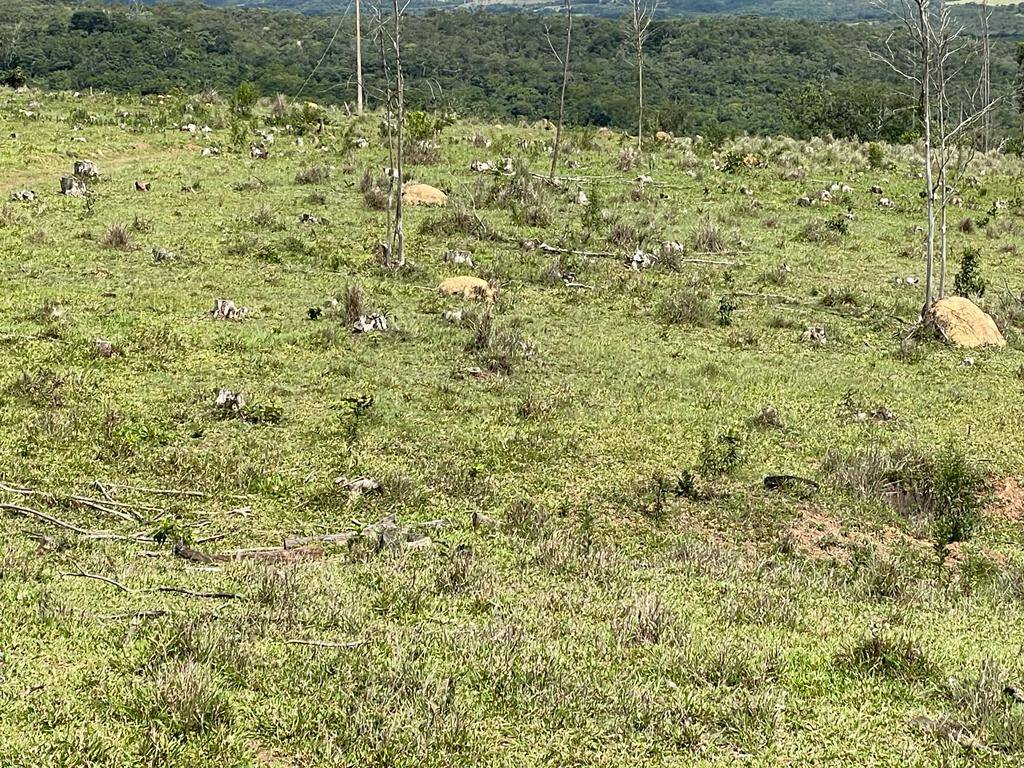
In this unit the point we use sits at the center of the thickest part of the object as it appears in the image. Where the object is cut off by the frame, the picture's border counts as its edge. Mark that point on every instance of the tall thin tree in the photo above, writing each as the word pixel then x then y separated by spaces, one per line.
pixel 359 61
pixel 642 14
pixel 562 59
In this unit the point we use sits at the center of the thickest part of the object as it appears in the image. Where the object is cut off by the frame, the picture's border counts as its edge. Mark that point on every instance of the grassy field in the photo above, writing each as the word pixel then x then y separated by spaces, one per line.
pixel 633 593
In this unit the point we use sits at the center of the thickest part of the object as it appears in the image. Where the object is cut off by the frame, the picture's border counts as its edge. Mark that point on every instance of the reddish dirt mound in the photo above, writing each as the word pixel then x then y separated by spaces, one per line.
pixel 1009 499
pixel 820 536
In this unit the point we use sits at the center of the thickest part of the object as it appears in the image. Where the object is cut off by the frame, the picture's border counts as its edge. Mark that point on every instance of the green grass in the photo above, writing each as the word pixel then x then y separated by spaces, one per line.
pixel 640 599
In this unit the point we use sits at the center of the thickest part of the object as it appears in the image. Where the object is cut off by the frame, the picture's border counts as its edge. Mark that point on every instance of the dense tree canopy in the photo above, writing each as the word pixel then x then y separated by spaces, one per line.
pixel 715 76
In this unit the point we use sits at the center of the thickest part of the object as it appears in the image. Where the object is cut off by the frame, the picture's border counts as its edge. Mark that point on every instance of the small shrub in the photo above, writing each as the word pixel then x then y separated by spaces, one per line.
pixel 688 307
pixel 460 221
pixel 959 492
pixel 499 349
pixel 117 237
pixel 244 99
pixel 876 156
pixel 708 237
pixel 888 654
pixel 263 218
pixel 969 280
pixel 721 455
pixel 726 307
pixel 314 174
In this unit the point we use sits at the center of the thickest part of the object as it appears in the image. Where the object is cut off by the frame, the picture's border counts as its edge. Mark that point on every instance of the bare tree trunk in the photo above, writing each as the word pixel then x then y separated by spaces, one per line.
pixel 389 122
pixel 565 82
pixel 986 74
pixel 359 62
pixel 637 27
pixel 924 23
pixel 643 13
pixel 942 46
pixel 398 252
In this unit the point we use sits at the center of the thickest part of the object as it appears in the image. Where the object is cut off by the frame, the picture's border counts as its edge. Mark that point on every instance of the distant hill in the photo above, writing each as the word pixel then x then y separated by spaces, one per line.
pixel 816 10
pixel 712 75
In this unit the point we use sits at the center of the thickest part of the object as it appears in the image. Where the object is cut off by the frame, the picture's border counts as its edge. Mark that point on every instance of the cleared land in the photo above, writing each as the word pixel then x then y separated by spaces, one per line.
pixel 640 597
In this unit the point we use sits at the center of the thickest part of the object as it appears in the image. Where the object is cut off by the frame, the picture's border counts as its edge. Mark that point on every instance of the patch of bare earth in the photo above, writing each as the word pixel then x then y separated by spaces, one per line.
pixel 1008 501
pixel 820 536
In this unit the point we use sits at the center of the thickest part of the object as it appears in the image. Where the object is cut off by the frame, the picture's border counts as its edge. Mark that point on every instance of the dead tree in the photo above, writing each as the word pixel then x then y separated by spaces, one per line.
pixel 562 59
pixel 389 36
pixel 642 14
pixel 960 138
pixel 359 62
pixel 916 63
pixel 986 73
pixel 933 55
pixel 398 250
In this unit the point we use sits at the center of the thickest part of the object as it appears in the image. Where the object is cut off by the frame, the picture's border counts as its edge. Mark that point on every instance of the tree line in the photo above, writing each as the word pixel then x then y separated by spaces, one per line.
pixel 712 76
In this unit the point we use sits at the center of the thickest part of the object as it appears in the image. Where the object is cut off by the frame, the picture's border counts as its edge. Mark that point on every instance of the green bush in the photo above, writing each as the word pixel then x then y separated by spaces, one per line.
pixel 244 99
pixel 969 280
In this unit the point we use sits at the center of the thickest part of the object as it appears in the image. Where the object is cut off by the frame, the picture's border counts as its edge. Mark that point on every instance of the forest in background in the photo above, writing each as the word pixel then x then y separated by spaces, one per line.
pixel 713 76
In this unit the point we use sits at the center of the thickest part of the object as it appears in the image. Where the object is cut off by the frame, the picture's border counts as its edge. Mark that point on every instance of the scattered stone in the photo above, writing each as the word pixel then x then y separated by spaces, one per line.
pixel 876 190
pixel 641 260
pixel 23 196
pixel 908 280
pixel 967 362
pixel 468 288
pixel 454 316
pixel 824 197
pixel 885 202
pixel 358 487
pixel 883 413
pixel 102 348
pixel 141 186
pixel 956 201
pixel 481 142
pixel 459 258
pixel 72 186
pixel 308 218
pixel 210 151
pixel 1001 205
pixel 423 194
pixel 803 201
pixel 581 198
pixel 229 401
pixel 360 143
pixel 482 522
pixel 482 166
pixel 162 254
pixel 671 248
pixel 769 417
pixel 663 136
pixel 86 169
pixel 258 152
pixel 746 191
pixel 960 322
pixel 225 309
pixel 188 128
pixel 508 165
pixel 815 335
pixel 369 323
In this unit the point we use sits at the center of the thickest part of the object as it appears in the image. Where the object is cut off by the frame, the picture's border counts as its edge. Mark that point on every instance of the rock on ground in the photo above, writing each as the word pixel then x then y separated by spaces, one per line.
pixel 959 321
pixel 423 194
pixel 468 288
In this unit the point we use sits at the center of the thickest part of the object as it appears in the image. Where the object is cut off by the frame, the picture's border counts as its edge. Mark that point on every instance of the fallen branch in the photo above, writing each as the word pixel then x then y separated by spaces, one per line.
pixel 326 643
pixel 191 593
pixel 106 580
pixel 99 535
pixel 327 538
